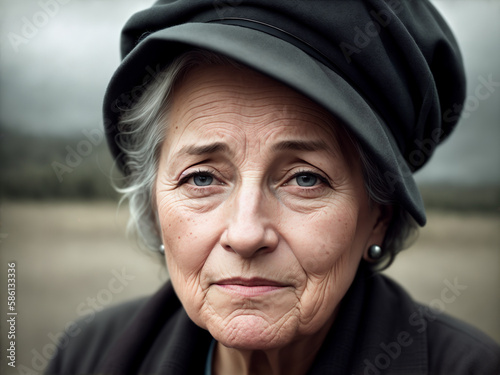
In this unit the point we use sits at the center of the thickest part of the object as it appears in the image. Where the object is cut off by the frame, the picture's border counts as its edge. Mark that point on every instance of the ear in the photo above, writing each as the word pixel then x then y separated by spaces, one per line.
pixel 382 219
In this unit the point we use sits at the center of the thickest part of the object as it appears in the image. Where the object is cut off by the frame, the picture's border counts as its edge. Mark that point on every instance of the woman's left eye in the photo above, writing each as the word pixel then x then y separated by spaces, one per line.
pixel 306 179
pixel 202 179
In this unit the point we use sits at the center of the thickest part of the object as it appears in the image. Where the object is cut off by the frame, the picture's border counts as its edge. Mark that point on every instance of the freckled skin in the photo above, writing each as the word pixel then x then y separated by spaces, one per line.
pixel 256 219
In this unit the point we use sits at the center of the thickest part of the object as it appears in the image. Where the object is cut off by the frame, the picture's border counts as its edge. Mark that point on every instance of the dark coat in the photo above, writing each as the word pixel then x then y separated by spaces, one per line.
pixel 379 330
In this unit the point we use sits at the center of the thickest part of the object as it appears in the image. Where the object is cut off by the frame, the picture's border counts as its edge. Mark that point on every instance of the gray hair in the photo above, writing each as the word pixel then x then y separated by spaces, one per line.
pixel 142 132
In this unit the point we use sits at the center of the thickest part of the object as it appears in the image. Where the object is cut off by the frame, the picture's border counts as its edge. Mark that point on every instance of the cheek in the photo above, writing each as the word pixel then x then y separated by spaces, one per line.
pixel 324 241
pixel 188 239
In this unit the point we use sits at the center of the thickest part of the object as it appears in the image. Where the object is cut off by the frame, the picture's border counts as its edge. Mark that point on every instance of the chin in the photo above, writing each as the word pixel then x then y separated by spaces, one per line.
pixel 250 332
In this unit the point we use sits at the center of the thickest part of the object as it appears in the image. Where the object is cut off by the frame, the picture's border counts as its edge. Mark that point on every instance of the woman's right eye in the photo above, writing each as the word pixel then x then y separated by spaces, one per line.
pixel 201 183
pixel 201 179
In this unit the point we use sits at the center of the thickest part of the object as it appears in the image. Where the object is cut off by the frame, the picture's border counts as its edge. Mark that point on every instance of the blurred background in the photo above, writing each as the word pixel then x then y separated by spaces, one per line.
pixel 59 219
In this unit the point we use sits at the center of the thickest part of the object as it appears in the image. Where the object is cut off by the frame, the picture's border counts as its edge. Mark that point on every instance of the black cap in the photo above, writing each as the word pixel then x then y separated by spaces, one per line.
pixel 390 70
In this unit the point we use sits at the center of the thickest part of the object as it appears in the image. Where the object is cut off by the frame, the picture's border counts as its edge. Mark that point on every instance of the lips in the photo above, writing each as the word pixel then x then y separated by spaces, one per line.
pixel 250 287
pixel 255 281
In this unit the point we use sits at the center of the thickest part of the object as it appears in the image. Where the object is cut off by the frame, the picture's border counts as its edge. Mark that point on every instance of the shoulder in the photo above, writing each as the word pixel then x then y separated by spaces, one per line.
pixel 152 335
pixel 453 346
pixel 456 347
pixel 91 337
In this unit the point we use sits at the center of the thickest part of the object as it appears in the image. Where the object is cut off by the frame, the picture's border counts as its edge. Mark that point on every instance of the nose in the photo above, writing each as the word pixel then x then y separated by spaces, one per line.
pixel 251 223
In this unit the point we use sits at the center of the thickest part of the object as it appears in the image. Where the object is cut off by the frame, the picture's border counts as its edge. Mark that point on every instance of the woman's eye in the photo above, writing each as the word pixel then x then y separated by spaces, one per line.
pixel 201 179
pixel 306 180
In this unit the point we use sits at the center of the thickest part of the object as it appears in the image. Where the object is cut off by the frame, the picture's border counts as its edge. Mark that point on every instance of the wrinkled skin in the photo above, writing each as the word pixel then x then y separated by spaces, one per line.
pixel 263 214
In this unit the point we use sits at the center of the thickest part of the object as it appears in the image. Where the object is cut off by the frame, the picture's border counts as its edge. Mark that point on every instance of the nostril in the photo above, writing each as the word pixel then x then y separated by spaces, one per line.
pixel 245 249
pixel 249 233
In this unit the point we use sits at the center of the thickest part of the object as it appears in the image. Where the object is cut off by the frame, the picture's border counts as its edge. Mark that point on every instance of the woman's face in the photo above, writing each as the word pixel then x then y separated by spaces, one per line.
pixel 262 209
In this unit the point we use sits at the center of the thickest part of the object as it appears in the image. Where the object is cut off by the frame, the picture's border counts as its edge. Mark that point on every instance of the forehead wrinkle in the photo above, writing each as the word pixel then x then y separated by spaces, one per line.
pixel 259 106
pixel 239 97
pixel 237 91
pixel 217 141
pixel 308 112
pixel 300 145
pixel 231 105
pixel 310 141
pixel 221 113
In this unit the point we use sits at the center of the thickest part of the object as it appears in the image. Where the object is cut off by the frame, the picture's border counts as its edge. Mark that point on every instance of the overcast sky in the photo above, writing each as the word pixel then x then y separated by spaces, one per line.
pixel 53 82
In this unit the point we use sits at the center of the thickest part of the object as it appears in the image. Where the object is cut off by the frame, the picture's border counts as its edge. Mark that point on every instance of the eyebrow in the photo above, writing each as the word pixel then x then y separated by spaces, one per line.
pixel 220 147
pixel 300 145
pixel 210 148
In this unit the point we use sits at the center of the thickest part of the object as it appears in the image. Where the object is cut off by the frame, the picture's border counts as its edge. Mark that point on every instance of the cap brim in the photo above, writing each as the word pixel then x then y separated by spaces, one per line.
pixel 284 62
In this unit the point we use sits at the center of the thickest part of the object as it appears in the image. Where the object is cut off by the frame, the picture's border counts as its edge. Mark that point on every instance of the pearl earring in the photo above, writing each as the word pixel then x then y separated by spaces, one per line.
pixel 375 252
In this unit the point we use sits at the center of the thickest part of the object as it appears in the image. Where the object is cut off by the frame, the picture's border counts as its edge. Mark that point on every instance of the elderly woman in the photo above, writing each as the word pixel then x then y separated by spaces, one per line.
pixel 268 149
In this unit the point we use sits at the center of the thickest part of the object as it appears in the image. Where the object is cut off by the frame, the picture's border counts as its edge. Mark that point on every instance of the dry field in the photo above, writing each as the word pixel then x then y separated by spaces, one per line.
pixel 67 255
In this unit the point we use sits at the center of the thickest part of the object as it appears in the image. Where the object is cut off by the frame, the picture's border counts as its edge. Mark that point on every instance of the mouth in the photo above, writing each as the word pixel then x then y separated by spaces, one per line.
pixel 250 287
